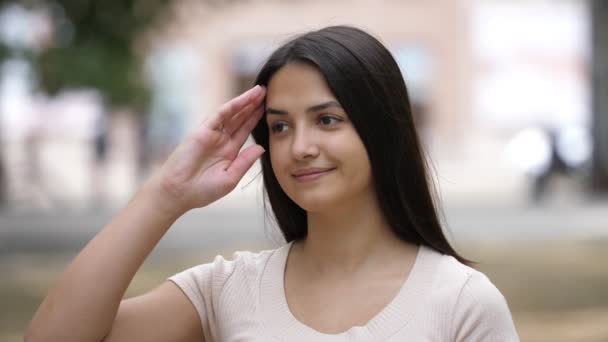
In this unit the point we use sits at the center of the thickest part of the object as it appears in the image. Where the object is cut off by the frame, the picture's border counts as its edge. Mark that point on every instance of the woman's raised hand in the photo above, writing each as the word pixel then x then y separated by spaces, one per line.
pixel 207 165
pixel 85 304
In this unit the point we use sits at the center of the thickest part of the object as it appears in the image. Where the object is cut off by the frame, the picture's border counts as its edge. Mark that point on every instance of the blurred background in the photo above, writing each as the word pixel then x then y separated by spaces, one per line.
pixel 510 96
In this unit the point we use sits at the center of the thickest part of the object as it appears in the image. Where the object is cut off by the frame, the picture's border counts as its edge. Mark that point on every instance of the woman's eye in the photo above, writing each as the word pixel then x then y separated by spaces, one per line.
pixel 327 120
pixel 278 127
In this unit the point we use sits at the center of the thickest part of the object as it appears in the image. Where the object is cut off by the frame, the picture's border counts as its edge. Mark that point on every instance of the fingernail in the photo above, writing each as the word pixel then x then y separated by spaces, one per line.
pixel 253 92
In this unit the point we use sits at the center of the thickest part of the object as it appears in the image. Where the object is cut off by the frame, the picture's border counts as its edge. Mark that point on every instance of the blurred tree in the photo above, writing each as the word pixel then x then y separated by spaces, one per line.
pixel 599 32
pixel 91 46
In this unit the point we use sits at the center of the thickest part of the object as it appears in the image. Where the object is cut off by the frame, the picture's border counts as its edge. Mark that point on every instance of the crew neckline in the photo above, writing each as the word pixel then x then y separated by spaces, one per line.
pixel 279 319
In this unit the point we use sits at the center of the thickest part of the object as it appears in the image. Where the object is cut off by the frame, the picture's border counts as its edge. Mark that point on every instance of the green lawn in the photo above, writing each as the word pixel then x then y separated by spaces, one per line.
pixel 558 291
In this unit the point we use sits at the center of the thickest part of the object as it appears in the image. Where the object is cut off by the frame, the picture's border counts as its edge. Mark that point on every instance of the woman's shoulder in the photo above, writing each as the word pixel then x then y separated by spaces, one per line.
pixel 477 305
pixel 241 261
pixel 249 261
pixel 451 272
pixel 463 285
pixel 242 266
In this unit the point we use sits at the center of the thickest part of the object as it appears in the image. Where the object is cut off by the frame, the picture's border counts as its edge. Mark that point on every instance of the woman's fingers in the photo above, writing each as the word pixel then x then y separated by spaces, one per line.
pixel 244 161
pixel 234 107
pixel 238 120
pixel 240 136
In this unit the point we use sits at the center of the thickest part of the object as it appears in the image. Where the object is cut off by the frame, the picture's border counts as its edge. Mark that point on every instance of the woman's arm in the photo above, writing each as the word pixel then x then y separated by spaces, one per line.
pixel 163 314
pixel 83 304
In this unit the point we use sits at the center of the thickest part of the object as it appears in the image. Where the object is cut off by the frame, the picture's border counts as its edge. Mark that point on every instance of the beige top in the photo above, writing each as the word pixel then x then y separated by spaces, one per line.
pixel 442 300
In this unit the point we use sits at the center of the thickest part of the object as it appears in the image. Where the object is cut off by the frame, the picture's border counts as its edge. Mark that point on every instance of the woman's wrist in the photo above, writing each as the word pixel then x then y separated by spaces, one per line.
pixel 159 203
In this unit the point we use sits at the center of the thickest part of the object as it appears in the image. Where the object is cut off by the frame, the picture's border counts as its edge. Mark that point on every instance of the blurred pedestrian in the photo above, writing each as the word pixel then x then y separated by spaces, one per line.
pixel 555 166
pixel 100 144
pixel 366 258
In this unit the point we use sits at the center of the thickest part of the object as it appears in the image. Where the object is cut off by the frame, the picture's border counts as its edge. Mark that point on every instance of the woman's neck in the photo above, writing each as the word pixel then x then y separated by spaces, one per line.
pixel 350 239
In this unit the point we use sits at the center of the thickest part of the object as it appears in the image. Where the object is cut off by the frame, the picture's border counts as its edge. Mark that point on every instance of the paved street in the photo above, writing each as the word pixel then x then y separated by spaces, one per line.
pixel 219 226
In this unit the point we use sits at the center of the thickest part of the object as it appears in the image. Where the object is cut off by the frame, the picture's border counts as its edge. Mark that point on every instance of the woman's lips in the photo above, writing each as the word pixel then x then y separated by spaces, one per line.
pixel 312 175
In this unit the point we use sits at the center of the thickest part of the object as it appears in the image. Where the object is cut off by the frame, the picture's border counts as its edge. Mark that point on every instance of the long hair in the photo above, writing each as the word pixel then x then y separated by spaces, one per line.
pixel 367 82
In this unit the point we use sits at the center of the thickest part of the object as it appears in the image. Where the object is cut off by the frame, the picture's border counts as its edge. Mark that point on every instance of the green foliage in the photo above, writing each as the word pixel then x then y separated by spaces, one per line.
pixel 93 47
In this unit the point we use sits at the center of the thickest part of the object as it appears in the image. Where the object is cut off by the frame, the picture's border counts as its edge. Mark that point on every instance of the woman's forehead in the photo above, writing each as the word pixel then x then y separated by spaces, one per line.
pixel 298 86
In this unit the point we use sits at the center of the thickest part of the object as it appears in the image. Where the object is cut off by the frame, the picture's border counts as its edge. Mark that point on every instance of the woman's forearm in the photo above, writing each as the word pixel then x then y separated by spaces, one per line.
pixel 82 305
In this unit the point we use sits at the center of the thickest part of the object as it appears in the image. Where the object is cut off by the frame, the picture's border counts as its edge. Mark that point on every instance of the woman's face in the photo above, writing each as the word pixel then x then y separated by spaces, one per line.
pixel 315 152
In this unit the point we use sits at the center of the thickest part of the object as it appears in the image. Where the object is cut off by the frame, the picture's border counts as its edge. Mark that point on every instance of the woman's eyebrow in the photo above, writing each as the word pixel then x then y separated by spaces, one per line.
pixel 324 105
pixel 314 108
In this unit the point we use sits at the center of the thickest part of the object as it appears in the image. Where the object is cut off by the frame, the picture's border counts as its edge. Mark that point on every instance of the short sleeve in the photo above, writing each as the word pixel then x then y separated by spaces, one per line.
pixel 482 313
pixel 203 285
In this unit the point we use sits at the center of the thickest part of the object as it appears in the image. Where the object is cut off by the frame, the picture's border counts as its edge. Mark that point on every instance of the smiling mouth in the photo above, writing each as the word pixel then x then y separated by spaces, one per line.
pixel 312 175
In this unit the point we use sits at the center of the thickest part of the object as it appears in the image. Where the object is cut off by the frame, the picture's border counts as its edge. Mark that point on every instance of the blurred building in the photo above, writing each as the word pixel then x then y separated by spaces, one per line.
pixel 478 72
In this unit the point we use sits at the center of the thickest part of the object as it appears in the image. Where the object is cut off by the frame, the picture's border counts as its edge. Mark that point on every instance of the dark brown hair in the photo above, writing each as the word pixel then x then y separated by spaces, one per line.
pixel 364 77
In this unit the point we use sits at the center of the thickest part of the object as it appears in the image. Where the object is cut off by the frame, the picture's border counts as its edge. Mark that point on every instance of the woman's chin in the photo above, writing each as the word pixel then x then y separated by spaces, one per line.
pixel 317 205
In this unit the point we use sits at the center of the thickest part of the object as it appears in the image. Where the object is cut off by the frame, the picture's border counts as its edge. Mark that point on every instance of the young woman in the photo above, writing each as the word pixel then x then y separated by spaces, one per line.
pixel 365 259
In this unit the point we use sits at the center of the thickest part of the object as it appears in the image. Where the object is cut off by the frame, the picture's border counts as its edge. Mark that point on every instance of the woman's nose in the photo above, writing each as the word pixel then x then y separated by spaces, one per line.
pixel 304 144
